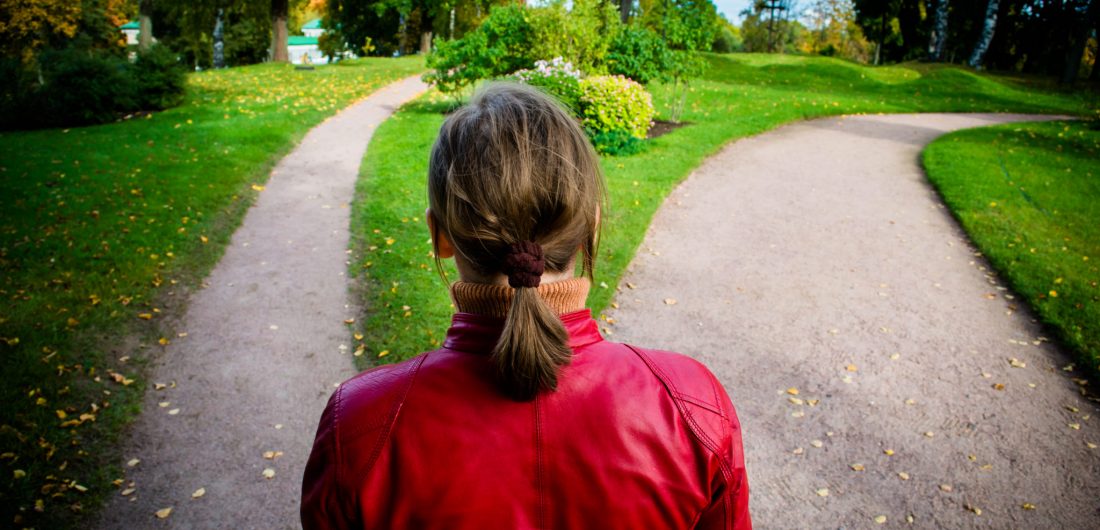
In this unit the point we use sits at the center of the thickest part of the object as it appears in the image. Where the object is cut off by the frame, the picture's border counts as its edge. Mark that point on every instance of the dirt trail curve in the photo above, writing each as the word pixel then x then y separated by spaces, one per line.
pixel 817 257
pixel 265 343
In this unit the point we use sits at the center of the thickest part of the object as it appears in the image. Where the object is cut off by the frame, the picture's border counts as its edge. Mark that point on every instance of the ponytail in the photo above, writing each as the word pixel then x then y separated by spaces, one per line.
pixel 532 347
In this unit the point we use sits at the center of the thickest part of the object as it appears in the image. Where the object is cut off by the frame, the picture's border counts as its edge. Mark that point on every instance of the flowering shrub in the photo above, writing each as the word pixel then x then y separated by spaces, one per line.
pixel 558 77
pixel 616 111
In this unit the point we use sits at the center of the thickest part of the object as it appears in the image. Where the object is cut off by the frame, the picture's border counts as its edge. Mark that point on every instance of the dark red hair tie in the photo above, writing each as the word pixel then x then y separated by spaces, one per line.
pixel 524 264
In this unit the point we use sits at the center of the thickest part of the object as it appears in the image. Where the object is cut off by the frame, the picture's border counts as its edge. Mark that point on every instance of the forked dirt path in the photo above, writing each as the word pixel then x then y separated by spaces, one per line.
pixel 266 343
pixel 817 257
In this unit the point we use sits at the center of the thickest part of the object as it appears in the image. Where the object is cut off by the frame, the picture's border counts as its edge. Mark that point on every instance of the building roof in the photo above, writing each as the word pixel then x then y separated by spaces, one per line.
pixel 312 24
pixel 298 40
pixel 133 24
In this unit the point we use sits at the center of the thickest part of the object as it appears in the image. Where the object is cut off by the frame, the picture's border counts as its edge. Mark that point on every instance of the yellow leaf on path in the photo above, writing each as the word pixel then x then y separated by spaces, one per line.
pixel 946 488
pixel 975 509
pixel 857 467
pixel 272 455
pixel 257 187
pixel 173 412
pixel 998 386
pixel 198 493
pixel 1016 363
pixel 159 386
pixel 126 492
pixel 851 368
pixel 18 474
pixel 1090 445
pixel 163 341
pixel 133 462
pixel 1074 426
pixel 880 519
pixel 1027 506
pixel 145 316
pixel 903 475
pixel 794 400
pixel 670 301
pixel 888 452
pixel 349 320
pixel 358 336
pixel 163 514
pixel 359 350
pixel 269 473
pixel 822 492
pixel 817 443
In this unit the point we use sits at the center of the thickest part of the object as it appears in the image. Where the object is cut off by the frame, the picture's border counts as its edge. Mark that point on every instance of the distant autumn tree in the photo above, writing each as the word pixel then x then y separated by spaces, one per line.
pixel 27 26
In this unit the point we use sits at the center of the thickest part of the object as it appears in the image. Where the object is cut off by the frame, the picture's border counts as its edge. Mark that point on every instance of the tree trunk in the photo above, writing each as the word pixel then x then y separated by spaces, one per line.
pixel 219 41
pixel 425 42
pixel 451 27
pixel 624 9
pixel 145 21
pixel 939 33
pixel 279 35
pixel 882 37
pixel 1078 39
pixel 987 34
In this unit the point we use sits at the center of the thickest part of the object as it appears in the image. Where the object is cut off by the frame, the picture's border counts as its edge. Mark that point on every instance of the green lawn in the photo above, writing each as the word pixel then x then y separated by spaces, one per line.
pixel 102 231
pixel 1029 196
pixel 407 308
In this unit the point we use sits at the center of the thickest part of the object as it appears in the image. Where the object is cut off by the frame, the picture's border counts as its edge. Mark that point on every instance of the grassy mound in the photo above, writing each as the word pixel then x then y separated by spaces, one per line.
pixel 1029 197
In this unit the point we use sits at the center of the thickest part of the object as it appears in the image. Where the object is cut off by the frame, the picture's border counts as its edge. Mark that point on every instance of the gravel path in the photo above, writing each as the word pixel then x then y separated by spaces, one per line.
pixel 265 345
pixel 817 259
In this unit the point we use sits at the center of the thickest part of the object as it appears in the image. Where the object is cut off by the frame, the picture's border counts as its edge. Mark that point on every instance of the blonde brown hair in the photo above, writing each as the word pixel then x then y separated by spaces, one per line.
pixel 513 166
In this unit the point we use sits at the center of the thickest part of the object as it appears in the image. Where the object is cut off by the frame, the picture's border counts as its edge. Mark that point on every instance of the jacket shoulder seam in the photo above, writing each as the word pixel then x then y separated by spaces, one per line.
pixel 386 426
pixel 696 429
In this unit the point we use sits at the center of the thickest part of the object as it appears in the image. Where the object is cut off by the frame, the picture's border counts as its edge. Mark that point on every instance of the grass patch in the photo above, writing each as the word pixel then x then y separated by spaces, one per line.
pixel 1029 197
pixel 101 229
pixel 407 308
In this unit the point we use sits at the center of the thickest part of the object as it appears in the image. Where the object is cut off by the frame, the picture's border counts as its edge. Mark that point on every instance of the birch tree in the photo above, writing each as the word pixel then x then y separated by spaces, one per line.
pixel 938 40
pixel 987 34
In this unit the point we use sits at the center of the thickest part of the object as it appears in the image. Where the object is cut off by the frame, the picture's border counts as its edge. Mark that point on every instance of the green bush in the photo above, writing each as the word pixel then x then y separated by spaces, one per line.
pixel 81 87
pixel 499 46
pixel 73 86
pixel 614 105
pixel 639 54
pixel 159 78
pixel 557 77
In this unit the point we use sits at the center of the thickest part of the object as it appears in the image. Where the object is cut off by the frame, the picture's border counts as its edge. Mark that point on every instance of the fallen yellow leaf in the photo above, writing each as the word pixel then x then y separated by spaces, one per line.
pixel 1027 506
pixel 822 492
pixel 269 473
pixel 163 514
pixel 857 467
pixel 670 301
pixel 257 187
pixel 903 475
pixel 880 519
pixel 198 493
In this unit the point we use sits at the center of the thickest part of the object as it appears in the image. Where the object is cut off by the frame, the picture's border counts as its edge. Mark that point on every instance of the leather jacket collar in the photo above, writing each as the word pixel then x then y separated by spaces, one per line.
pixel 474 333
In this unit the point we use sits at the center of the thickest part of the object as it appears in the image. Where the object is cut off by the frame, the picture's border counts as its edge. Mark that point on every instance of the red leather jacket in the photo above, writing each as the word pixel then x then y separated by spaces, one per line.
pixel 632 439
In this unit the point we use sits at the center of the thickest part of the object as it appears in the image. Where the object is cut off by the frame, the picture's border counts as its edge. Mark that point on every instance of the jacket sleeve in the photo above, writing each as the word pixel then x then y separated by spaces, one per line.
pixel 324 502
pixel 729 509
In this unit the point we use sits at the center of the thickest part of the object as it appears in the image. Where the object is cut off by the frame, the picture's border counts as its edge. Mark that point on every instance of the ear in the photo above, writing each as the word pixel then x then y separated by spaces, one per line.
pixel 442 246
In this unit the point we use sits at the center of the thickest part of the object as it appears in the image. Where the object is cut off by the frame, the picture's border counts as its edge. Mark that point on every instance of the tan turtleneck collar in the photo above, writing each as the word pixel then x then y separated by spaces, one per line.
pixel 563 297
